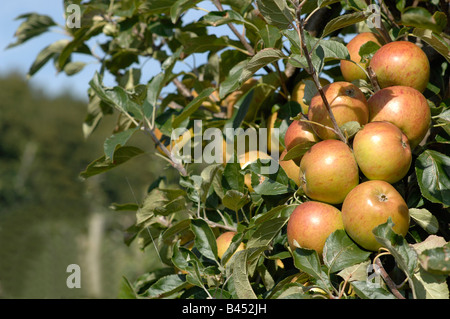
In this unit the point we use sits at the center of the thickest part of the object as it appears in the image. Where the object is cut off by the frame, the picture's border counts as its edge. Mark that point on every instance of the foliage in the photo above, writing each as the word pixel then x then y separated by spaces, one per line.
pixel 184 220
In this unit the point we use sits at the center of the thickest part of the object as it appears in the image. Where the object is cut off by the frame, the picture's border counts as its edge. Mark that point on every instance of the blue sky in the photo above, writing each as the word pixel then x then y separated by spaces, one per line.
pixel 21 57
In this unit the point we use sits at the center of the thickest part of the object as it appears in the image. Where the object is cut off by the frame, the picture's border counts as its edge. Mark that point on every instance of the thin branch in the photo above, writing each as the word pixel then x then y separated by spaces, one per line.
pixel 178 166
pixel 311 71
pixel 373 79
pixel 389 282
pixel 183 89
pixel 241 38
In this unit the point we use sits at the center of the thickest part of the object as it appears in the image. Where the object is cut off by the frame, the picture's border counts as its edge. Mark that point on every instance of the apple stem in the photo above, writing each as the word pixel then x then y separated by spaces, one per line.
pixel 313 72
pixel 373 79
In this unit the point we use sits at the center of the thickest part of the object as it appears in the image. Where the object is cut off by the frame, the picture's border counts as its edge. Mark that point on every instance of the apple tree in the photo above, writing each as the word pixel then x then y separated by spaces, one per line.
pixel 177 70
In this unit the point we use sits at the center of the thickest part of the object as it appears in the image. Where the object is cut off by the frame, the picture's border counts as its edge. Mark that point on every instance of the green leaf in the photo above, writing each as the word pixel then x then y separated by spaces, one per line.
pixel 235 200
pixel 49 52
pixel 240 275
pixel 358 272
pixel 421 18
pixel 433 171
pixel 166 286
pixel 276 12
pixel 266 232
pixel 367 50
pixel 430 286
pixel 101 165
pixel 349 129
pixel 259 60
pixel 117 140
pixel 311 5
pixel 298 151
pixel 181 6
pixel 343 21
pixel 434 40
pixel 192 107
pixel 425 219
pixel 341 252
pixel 34 25
pixel 161 202
pixel 205 241
pixel 436 260
pixel 270 35
pixel 231 83
pixel 405 256
pixel 268 183
pixel 126 290
pixel 308 261
pixel 370 291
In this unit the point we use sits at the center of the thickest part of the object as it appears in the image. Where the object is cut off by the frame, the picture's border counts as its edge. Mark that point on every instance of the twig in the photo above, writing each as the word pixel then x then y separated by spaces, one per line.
pixel 311 71
pixel 178 166
pixel 389 282
pixel 373 79
pixel 241 38
pixel 182 88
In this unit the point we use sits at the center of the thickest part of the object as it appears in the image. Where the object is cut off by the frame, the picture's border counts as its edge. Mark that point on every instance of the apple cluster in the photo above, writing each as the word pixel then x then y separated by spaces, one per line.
pixel 351 185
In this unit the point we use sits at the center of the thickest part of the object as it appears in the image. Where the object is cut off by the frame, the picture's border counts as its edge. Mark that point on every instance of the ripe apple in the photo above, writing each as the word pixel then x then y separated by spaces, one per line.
pixel 328 171
pixel 370 204
pixel 401 63
pixel 405 107
pixel 299 91
pixel 291 169
pixel 350 71
pixel 270 139
pixel 347 103
pixel 311 223
pixel 224 241
pixel 299 133
pixel 382 151
pixel 246 159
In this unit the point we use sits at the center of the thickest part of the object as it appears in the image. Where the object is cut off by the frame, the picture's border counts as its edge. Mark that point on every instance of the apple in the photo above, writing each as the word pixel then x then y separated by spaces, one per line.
pixel 224 241
pixel 348 103
pixel 370 204
pixel 299 133
pixel 311 223
pixel 350 71
pixel 382 152
pixel 328 171
pixel 246 159
pixel 291 169
pixel 405 107
pixel 401 63
pixel 298 92
pixel 270 139
pixel 181 141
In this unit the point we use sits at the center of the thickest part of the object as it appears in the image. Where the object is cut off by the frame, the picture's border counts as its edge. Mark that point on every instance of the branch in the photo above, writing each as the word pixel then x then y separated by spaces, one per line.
pixel 178 166
pixel 241 38
pixel 389 282
pixel 311 71
pixel 373 79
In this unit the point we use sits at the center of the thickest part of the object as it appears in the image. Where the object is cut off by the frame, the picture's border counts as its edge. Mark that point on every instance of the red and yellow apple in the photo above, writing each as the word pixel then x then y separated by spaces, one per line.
pixel 401 63
pixel 328 171
pixel 350 71
pixel 299 133
pixel 348 103
pixel 224 241
pixel 382 152
pixel 311 223
pixel 405 107
pixel 370 204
